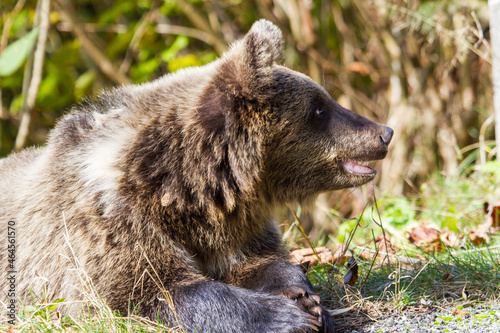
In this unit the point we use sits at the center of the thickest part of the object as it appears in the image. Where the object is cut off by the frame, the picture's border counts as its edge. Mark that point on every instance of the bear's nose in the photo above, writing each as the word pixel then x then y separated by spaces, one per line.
pixel 387 136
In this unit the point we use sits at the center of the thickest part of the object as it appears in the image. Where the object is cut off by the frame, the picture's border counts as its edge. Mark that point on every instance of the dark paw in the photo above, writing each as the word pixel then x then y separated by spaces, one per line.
pixel 284 316
pixel 327 322
pixel 307 300
pixel 310 303
pixel 301 321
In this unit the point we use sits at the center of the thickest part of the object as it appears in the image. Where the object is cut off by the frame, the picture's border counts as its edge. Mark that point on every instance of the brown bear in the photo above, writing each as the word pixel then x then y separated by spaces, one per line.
pixel 164 193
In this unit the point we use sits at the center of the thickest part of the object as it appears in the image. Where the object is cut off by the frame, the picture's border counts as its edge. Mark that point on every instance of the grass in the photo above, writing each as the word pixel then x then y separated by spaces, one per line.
pixel 449 278
pixel 41 316
pixel 380 291
pixel 453 278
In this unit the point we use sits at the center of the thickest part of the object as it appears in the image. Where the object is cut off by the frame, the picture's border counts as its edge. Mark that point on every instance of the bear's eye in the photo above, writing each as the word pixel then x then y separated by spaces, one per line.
pixel 319 112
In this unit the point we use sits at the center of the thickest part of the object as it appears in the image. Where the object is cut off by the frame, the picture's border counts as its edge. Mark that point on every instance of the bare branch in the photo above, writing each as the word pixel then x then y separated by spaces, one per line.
pixel 8 24
pixel 495 43
pixel 167 29
pixel 201 23
pixel 36 78
pixel 142 27
pixel 106 66
pixel 94 27
pixel 4 113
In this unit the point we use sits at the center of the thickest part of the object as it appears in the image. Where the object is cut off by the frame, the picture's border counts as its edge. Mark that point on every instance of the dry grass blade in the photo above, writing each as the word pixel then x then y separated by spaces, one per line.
pixel 157 280
pixel 301 228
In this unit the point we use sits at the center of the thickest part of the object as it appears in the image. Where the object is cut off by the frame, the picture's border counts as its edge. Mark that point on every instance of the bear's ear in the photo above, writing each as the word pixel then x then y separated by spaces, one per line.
pixel 263 45
pixel 253 58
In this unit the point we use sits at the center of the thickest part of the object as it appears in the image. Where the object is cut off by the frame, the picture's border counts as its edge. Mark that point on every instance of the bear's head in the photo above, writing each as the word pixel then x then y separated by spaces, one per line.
pixel 284 131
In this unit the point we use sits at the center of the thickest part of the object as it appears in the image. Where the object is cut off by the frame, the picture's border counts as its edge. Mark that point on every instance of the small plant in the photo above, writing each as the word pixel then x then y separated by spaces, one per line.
pixel 468 275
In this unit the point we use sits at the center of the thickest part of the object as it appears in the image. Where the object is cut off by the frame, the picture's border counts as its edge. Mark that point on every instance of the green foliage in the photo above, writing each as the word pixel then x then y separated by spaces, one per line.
pixel 397 214
pixel 180 43
pixel 143 71
pixel 492 169
pixel 345 229
pixel 58 80
pixel 16 53
pixel 146 39
pixel 83 84
pixel 45 316
pixel 450 203
pixel 118 9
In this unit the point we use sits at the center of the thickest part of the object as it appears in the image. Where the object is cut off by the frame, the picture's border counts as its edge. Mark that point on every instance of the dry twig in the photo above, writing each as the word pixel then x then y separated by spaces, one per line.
pixel 34 78
pixel 142 27
pixel 201 23
pixel 106 66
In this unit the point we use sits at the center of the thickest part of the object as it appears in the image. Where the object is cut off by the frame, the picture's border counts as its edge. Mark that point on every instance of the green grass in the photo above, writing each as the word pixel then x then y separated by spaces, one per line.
pixel 476 269
pixel 389 289
pixel 50 321
pixel 452 278
pixel 471 269
pixel 91 314
pixel 385 290
pixel 40 316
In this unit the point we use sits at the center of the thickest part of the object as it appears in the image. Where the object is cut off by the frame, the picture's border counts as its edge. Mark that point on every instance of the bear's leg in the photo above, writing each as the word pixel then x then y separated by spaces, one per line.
pixel 279 277
pixel 212 306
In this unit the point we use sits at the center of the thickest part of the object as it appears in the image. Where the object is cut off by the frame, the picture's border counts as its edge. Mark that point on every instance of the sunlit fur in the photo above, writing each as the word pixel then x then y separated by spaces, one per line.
pixel 186 171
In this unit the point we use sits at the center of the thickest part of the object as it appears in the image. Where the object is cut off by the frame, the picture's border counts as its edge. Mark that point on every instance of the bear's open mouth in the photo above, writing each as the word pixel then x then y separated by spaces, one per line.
pixel 359 168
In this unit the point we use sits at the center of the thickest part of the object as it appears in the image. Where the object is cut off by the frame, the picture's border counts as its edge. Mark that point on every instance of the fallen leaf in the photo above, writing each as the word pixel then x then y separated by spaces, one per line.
pixel 451 239
pixel 492 211
pixel 447 276
pixel 323 255
pixel 460 313
pixel 351 277
pixel 481 234
pixel 384 244
pixel 495 215
pixel 384 248
pixel 426 236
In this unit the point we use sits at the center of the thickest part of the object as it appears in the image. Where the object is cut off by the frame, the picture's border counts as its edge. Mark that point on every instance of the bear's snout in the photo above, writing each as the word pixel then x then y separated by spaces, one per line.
pixel 387 136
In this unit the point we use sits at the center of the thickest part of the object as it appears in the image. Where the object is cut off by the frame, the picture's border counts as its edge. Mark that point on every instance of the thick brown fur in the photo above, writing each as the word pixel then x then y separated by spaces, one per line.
pixel 186 171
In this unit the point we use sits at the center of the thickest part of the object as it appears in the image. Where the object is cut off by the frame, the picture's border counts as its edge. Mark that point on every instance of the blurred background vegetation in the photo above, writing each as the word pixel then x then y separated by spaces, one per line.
pixel 422 67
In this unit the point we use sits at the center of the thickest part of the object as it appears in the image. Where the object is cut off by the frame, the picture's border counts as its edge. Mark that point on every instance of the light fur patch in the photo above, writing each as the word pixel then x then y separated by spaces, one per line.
pixel 99 163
